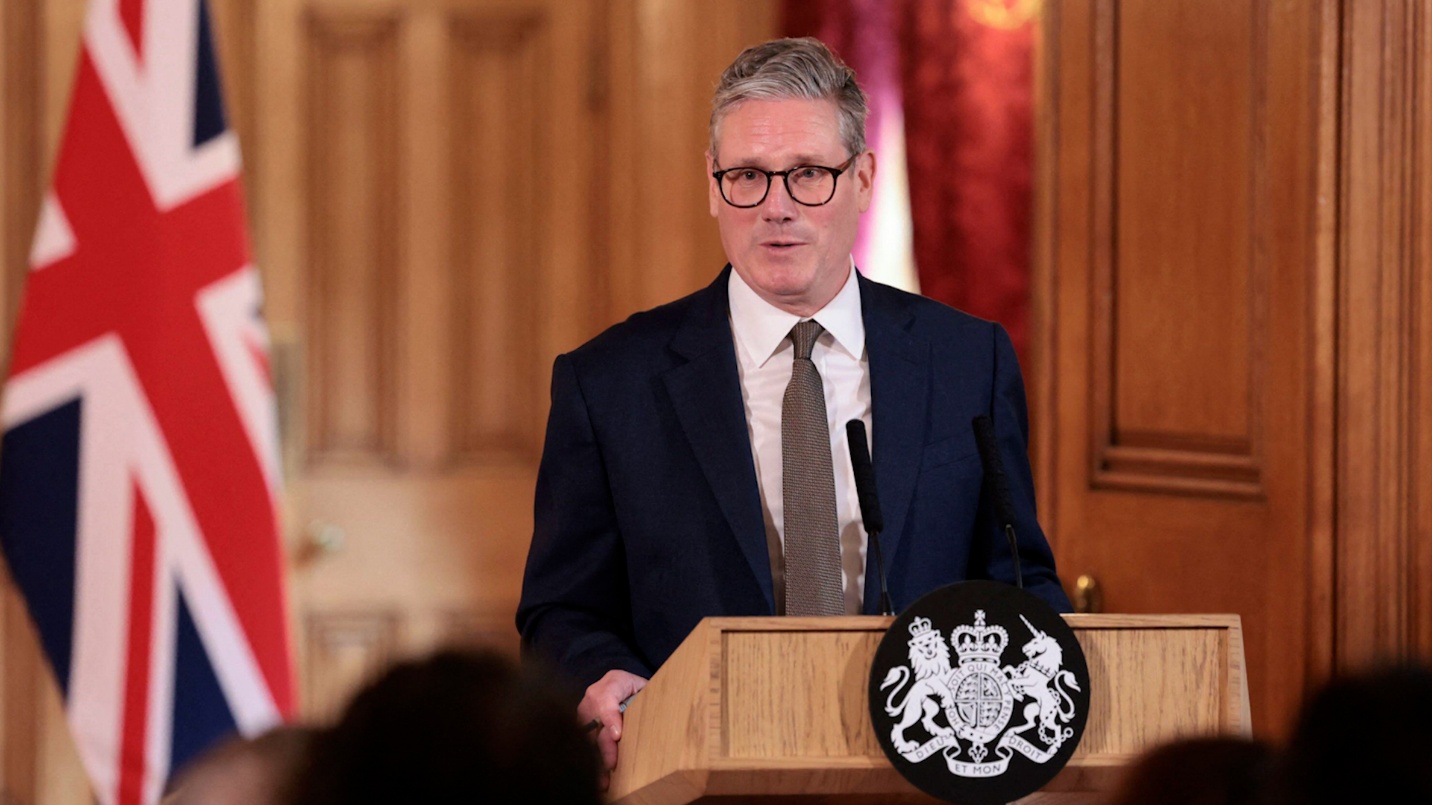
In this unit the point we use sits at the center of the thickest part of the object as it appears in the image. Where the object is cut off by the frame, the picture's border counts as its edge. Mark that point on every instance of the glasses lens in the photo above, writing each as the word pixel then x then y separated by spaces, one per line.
pixel 745 187
pixel 811 185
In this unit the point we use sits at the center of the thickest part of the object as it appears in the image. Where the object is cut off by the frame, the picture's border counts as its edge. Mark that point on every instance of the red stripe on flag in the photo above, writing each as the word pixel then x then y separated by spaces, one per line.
pixel 131 13
pixel 259 356
pixel 134 725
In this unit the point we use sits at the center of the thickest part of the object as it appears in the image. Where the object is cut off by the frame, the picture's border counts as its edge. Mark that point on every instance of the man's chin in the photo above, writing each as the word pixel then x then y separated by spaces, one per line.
pixel 790 290
pixel 784 273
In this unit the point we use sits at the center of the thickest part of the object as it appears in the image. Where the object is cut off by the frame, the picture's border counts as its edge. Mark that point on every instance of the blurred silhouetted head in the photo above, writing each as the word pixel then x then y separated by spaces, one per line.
pixel 455 727
pixel 1363 738
pixel 256 771
pixel 1220 770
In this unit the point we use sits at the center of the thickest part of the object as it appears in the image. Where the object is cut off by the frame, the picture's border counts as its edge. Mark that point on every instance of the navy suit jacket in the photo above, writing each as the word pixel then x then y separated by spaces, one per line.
pixel 648 514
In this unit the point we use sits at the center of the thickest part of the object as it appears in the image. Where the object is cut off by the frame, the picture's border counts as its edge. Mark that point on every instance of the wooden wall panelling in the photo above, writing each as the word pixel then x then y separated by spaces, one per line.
pixel 346 650
pixel 491 631
pixel 21 159
pixel 620 155
pixel 668 208
pixel 1058 42
pixel 235 29
pixel 500 193
pixel 574 203
pixel 59 40
pixel 1384 577
pixel 20 676
pixel 60 779
pixel 21 149
pixel 353 291
pixel 38 46
pixel 1177 398
pixel 667 56
pixel 425 326
pixel 473 122
pixel 1187 154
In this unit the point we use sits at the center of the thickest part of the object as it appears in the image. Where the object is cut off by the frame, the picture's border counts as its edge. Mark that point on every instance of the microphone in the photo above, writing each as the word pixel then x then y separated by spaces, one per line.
pixel 998 485
pixel 869 502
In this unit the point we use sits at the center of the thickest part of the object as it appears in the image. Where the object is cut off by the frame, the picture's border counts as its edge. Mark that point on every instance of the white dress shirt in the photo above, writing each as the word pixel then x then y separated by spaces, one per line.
pixel 764 354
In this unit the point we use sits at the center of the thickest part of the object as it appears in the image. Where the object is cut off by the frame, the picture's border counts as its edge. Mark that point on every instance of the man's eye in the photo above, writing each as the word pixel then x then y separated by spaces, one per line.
pixel 748 176
pixel 809 174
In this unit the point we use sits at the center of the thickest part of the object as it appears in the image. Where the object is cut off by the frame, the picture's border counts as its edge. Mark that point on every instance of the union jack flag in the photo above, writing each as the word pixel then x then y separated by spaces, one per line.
pixel 139 468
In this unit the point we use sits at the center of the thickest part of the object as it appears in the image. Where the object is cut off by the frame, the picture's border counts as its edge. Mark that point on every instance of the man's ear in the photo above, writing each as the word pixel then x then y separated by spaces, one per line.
pixel 713 192
pixel 865 179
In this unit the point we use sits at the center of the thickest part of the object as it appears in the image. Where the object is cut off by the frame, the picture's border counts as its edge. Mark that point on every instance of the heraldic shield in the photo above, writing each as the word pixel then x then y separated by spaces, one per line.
pixel 979 693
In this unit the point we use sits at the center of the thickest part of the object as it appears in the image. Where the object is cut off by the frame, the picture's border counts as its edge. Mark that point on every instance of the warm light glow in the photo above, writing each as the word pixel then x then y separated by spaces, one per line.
pixel 1004 14
pixel 886 253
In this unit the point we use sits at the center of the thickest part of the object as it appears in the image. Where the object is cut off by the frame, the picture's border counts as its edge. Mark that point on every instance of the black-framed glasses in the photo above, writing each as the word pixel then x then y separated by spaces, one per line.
pixel 810 185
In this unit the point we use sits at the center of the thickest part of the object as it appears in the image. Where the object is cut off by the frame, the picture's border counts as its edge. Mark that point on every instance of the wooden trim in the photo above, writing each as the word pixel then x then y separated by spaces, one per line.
pixel 1044 282
pixel 1322 405
pixel 1420 437
pixel 882 622
pixel 1379 286
pixel 1251 452
pixel 1103 179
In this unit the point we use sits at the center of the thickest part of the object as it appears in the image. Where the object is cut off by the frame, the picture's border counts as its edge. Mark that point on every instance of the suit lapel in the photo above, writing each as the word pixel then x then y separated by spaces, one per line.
pixel 899 402
pixel 706 393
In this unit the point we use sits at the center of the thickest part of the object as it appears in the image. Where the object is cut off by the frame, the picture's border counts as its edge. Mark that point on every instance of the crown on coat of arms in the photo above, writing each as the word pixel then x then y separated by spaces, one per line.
pixel 921 629
pixel 979 643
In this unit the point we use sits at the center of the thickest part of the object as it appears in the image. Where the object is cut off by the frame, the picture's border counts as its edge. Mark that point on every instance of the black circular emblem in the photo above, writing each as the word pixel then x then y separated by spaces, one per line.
pixel 979 693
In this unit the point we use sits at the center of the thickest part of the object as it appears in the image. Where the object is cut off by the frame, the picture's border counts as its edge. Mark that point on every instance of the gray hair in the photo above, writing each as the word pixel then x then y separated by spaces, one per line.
pixel 782 69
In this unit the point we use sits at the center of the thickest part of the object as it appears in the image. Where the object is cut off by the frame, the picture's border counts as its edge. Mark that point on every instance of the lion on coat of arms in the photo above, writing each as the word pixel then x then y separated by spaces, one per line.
pixel 930 658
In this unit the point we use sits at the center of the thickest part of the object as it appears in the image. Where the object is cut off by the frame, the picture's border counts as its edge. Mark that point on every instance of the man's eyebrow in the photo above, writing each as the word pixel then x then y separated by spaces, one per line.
pixel 796 161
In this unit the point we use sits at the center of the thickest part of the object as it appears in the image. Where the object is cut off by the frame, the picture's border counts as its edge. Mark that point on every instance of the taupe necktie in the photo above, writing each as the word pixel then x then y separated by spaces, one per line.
pixel 812 532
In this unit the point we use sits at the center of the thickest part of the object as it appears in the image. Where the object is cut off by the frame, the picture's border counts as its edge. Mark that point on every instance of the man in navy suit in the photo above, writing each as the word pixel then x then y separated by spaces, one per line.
pixel 671 486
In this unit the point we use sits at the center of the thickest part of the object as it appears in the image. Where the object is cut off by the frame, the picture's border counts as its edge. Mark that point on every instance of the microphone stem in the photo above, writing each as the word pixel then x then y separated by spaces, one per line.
pixel 886 608
pixel 1014 554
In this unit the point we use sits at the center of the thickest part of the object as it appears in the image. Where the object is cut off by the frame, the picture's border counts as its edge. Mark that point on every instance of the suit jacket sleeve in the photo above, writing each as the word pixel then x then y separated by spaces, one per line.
pixel 1011 422
pixel 575 609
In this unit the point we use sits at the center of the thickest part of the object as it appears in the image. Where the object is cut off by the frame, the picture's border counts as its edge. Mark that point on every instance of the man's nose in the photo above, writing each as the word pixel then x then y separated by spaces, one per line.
pixel 778 204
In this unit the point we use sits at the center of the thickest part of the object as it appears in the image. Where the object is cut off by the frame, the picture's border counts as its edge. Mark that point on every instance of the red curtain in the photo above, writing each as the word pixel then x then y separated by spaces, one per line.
pixel 967 72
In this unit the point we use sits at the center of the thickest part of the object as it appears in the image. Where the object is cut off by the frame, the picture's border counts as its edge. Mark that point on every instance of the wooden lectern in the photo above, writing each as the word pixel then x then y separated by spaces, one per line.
pixel 768 709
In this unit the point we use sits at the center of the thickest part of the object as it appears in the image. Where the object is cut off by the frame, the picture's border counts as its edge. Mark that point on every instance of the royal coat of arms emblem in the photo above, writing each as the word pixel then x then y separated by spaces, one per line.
pixel 978 697
pixel 982 696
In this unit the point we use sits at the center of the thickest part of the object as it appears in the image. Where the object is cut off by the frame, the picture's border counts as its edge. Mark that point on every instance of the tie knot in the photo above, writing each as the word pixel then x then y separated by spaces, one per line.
pixel 803 335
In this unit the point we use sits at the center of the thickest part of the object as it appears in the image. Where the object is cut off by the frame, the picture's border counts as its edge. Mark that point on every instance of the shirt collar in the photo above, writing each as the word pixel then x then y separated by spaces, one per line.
pixel 761 327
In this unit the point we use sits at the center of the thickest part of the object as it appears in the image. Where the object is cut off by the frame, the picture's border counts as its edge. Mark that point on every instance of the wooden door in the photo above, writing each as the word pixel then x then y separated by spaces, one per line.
pixel 1185 379
pixel 426 225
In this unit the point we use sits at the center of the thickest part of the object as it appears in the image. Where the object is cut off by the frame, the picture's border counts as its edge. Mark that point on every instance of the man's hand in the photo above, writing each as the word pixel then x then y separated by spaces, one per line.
pixel 603 705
